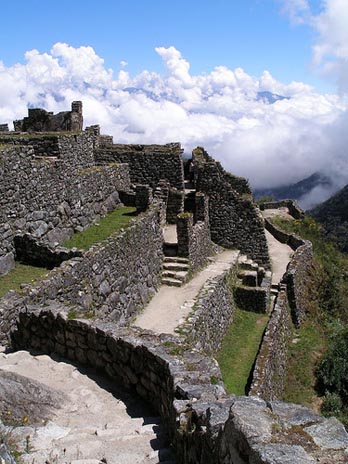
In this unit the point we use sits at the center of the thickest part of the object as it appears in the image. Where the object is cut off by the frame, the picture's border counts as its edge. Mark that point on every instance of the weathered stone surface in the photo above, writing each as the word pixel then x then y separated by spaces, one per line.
pixel 294 414
pixel 329 433
pixel 51 187
pixel 281 454
pixel 24 398
pixel 148 164
pixel 235 221
pixel 271 363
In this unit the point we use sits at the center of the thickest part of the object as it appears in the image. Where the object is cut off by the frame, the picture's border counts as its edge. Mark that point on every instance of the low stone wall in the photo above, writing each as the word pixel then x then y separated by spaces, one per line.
pixel 30 251
pixel 205 424
pixel 211 314
pixel 294 209
pixel 113 279
pixel 296 278
pixel 148 164
pixel 270 369
pixel 297 273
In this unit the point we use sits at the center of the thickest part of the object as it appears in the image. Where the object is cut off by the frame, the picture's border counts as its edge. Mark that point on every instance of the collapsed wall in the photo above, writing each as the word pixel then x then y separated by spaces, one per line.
pixel 235 221
pixel 51 187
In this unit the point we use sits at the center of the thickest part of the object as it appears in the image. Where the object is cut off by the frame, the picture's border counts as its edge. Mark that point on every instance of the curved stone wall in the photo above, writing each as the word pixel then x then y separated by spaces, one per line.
pixel 206 425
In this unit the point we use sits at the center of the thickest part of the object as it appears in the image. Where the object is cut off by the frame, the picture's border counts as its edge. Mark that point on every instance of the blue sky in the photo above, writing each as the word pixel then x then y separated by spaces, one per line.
pixel 252 34
pixel 191 71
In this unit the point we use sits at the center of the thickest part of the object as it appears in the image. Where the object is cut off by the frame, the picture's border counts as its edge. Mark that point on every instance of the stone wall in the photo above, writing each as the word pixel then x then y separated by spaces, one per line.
pixel 51 187
pixel 270 369
pixel 211 314
pixel 113 279
pixel 194 237
pixel 253 299
pixel 235 221
pixel 40 120
pixel 294 209
pixel 298 271
pixel 206 425
pixel 148 164
pixel 30 251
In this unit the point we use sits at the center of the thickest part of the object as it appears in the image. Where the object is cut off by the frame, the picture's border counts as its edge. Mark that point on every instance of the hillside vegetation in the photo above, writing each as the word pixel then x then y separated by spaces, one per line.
pixel 318 358
pixel 333 215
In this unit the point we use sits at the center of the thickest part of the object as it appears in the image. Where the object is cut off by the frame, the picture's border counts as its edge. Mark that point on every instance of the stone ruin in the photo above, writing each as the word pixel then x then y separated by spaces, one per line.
pixel 55 183
pixel 39 120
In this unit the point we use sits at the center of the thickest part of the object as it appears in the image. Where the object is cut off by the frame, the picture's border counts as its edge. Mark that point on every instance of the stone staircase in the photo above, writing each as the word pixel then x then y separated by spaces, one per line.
pixel 175 271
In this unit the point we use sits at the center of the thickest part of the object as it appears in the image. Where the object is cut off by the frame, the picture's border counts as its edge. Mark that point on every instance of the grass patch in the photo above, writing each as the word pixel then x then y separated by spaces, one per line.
pixel 239 349
pixel 113 222
pixel 305 351
pixel 21 274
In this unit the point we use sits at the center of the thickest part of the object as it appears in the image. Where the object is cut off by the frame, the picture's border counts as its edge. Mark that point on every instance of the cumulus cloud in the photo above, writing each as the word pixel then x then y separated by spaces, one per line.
pixel 272 141
pixel 330 44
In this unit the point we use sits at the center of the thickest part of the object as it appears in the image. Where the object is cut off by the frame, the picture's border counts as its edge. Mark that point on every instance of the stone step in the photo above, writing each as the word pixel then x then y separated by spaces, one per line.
pixel 179 275
pixel 171 282
pixel 175 259
pixel 175 266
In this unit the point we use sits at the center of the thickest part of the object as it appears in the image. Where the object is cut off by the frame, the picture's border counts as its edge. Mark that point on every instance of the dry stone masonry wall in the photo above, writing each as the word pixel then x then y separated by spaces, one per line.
pixel 206 424
pixel 298 271
pixel 270 369
pixel 194 237
pixel 235 221
pixel 148 164
pixel 211 314
pixel 112 280
pixel 39 120
pixel 51 187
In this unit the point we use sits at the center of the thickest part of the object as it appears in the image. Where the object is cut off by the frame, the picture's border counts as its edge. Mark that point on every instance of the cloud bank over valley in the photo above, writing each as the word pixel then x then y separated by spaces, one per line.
pixel 271 132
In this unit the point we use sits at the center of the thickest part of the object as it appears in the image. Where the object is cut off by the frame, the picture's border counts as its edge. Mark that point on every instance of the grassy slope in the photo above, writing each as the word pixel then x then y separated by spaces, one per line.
pixel 111 223
pixel 21 274
pixel 239 349
pixel 329 304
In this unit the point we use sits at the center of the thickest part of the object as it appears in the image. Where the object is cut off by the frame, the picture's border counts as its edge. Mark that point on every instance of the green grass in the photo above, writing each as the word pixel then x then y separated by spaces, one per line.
pixel 108 225
pixel 305 350
pixel 21 274
pixel 239 349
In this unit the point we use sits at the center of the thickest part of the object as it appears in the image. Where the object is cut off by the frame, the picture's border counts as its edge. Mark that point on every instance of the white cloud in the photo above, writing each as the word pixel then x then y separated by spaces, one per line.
pixel 297 10
pixel 330 45
pixel 271 144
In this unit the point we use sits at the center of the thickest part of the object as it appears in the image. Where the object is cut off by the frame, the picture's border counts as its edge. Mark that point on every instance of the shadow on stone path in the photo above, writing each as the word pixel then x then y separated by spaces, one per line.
pixel 93 419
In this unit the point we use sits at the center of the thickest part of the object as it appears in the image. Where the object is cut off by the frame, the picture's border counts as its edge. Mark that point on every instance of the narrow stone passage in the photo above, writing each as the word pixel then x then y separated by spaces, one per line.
pixel 166 310
pixel 280 253
pixel 87 419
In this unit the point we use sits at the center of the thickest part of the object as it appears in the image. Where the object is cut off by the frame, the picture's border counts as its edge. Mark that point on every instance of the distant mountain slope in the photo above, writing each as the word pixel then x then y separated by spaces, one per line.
pixel 333 215
pixel 295 191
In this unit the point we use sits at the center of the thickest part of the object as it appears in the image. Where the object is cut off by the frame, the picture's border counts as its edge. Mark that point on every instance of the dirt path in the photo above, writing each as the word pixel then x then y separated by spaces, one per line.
pixel 166 311
pixel 94 421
